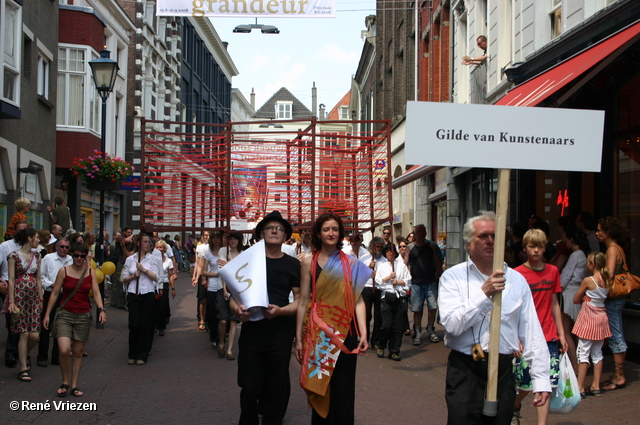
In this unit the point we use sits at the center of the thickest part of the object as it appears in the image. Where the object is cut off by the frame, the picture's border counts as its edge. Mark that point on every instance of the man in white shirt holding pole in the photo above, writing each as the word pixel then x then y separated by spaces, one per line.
pixel 465 308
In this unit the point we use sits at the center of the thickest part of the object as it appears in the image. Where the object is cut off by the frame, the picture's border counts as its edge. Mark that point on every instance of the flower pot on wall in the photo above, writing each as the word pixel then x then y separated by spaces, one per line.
pixel 103 185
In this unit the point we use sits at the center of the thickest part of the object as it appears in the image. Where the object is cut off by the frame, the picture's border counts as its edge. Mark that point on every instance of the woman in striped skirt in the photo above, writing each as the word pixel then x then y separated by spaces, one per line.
pixel 592 324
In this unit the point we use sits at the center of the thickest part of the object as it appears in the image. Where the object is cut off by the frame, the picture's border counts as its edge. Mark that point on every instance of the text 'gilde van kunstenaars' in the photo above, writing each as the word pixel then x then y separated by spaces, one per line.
pixel 504 137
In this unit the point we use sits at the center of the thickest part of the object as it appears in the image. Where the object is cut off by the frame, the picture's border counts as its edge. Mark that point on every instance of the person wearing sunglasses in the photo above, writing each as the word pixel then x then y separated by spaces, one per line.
pixel 482 44
pixel 51 265
pixel 73 320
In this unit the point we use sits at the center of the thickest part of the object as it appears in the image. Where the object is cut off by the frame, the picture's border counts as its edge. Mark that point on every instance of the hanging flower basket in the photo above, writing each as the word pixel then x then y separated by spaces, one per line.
pixel 103 185
pixel 101 171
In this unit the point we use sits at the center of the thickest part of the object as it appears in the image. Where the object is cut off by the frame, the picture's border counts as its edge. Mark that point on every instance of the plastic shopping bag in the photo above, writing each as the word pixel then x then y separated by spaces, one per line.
pixel 566 396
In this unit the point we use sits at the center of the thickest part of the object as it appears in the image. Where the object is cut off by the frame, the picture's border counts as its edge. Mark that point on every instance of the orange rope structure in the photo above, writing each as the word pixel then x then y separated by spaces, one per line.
pixel 221 177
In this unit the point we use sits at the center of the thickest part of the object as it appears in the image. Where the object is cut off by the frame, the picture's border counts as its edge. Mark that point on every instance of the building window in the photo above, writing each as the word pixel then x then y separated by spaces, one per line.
pixel 44 65
pixel 77 107
pixel 344 112
pixel 556 18
pixel 10 41
pixel 71 79
pixel 283 110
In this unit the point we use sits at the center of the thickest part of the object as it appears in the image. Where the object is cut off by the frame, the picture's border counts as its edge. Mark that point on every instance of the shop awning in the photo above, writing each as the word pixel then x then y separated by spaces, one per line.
pixel 413 173
pixel 540 87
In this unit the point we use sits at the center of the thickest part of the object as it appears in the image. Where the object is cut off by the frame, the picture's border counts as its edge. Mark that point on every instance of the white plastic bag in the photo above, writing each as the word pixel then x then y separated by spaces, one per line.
pixel 566 396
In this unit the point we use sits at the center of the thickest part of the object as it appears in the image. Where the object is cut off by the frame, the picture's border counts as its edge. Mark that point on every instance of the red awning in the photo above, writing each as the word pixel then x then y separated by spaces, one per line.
pixel 412 174
pixel 537 89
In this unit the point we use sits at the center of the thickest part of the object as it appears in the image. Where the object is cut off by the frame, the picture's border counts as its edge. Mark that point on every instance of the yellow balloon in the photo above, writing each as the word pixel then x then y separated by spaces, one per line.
pixel 99 276
pixel 108 268
pixel 93 264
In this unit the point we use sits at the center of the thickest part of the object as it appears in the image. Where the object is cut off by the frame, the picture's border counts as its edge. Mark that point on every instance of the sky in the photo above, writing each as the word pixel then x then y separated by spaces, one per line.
pixel 307 50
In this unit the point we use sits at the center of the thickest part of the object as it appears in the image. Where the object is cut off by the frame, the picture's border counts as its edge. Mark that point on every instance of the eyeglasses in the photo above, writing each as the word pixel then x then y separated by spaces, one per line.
pixel 403 246
pixel 79 255
pixel 63 246
pixel 278 229
pixel 386 233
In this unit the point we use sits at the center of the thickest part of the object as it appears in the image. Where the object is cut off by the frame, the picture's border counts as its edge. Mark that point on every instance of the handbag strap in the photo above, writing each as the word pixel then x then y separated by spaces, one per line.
pixel 84 272
pixel 625 269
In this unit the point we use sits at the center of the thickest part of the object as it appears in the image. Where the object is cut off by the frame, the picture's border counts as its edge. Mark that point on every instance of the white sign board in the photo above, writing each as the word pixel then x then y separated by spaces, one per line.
pixel 246 279
pixel 490 136
pixel 249 8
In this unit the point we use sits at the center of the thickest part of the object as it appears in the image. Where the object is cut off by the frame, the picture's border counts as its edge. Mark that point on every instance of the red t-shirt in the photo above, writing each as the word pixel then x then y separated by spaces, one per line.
pixel 80 301
pixel 544 285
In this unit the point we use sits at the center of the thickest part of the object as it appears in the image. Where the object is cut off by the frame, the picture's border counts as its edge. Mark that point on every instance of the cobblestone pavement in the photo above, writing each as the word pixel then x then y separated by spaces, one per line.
pixel 185 382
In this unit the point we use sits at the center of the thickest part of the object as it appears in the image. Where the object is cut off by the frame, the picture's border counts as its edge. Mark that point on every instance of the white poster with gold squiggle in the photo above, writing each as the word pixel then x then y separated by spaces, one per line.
pixel 248 8
pixel 246 279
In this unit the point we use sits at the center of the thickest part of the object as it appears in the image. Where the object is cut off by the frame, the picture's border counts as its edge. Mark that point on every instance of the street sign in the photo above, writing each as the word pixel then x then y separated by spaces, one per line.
pixel 490 136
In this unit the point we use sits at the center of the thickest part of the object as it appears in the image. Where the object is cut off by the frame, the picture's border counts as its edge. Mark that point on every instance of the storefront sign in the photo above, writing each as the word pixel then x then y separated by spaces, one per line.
pixel 490 136
pixel 248 8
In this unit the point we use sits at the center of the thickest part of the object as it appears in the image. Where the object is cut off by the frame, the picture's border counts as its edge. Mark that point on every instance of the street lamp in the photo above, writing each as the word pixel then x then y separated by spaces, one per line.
pixel 104 71
pixel 265 29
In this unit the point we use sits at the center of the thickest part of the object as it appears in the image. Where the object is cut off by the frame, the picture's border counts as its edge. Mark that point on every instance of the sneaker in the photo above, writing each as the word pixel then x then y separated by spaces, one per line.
pixel 131 361
pixel 379 351
pixel 417 341
pixel 42 363
pixel 515 419
pixel 395 357
pixel 433 337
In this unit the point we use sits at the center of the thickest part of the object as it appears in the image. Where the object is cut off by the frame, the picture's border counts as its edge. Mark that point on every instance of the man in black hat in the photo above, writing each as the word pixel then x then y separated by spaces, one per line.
pixel 265 345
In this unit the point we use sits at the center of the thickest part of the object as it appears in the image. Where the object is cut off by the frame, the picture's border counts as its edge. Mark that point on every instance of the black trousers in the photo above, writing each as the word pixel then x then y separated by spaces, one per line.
pixel 141 324
pixel 466 387
pixel 263 370
pixel 212 316
pixel 162 307
pixel 342 388
pixel 393 317
pixel 371 299
pixel 43 344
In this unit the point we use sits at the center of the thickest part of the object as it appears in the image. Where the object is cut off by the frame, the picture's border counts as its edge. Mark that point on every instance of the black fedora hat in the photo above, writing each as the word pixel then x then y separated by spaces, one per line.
pixel 273 216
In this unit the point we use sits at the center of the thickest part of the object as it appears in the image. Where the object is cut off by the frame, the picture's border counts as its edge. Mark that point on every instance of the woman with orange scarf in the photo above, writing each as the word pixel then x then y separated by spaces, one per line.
pixel 331 326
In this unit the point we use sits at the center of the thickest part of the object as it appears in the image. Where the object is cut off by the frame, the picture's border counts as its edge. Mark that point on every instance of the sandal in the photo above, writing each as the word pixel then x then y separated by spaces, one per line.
pixel 612 386
pixel 201 326
pixel 62 391
pixel 230 356
pixel 75 391
pixel 221 350
pixel 24 376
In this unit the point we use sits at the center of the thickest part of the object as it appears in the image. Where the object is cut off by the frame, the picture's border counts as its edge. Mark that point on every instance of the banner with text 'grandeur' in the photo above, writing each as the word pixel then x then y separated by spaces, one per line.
pixel 246 279
pixel 515 137
pixel 248 8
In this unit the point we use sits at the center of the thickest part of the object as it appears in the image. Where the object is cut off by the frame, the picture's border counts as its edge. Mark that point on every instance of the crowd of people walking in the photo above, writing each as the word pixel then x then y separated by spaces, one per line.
pixel 331 299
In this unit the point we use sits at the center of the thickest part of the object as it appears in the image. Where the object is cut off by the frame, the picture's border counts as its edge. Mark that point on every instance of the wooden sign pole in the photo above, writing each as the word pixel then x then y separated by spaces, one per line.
pixel 490 407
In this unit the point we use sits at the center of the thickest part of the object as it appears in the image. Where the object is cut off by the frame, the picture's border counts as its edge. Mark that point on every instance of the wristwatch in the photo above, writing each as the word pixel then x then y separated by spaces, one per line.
pixel 102 309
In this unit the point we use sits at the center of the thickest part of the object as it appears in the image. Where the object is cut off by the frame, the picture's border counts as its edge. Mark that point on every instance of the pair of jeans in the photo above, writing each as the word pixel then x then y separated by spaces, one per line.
pixel 614 307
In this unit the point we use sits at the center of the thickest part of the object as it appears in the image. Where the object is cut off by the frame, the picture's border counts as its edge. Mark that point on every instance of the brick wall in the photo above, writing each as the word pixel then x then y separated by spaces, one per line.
pixel 433 55
pixel 78 27
pixel 73 144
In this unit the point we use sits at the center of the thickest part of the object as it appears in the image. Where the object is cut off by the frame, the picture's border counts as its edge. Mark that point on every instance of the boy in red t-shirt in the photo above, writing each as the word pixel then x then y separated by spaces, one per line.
pixel 544 282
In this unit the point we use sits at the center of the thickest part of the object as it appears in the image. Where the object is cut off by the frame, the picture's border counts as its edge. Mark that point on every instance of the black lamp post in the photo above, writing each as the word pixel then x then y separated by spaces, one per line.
pixel 104 71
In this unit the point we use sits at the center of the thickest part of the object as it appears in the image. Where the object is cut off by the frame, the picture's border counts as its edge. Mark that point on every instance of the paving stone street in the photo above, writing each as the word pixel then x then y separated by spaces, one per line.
pixel 185 382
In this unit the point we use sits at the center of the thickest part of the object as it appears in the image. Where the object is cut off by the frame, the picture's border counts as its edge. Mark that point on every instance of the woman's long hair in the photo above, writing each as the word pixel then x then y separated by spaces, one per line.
pixel 316 242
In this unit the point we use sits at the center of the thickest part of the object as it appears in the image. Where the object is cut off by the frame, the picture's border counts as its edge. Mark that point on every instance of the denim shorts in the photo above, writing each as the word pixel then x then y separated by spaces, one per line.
pixel 614 307
pixel 421 292
pixel 521 368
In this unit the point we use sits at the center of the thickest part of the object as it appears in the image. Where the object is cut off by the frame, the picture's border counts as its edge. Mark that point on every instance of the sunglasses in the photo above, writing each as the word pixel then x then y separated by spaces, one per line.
pixel 79 255
pixel 63 246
